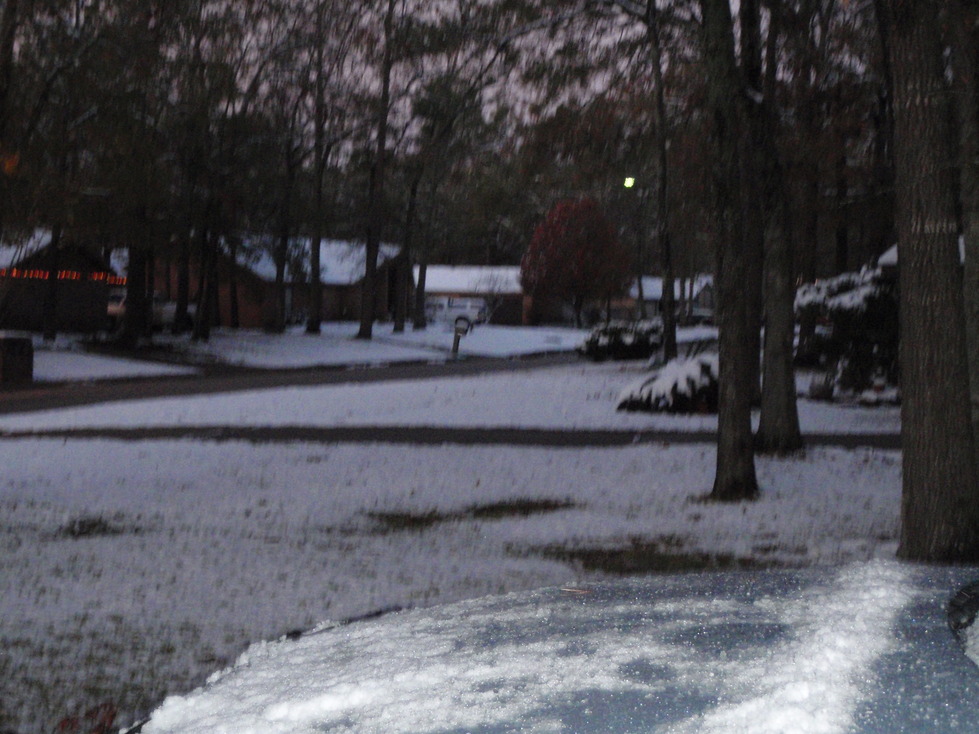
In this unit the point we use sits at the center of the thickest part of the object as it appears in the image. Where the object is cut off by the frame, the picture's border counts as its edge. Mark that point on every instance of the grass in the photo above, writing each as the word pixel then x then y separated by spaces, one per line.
pixel 91 527
pixel 418 522
pixel 661 555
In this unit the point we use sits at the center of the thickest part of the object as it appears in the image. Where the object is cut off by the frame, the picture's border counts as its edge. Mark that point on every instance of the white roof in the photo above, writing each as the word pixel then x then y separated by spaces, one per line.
pixel 15 248
pixel 652 287
pixel 341 262
pixel 472 279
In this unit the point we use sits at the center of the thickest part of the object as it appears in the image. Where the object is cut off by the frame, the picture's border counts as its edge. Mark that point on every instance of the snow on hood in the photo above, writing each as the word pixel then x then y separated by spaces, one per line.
pixel 862 648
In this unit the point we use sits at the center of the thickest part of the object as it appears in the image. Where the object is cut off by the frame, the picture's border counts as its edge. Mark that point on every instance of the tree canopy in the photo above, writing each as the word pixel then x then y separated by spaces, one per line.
pixel 575 255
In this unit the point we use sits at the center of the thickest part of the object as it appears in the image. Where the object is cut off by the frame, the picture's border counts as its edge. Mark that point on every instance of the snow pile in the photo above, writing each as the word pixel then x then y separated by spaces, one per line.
pixel 844 292
pixel 680 386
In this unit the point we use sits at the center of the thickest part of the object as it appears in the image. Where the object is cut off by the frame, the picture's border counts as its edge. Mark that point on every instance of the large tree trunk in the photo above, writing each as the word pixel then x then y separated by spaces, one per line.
pixel 735 478
pixel 940 504
pixel 964 45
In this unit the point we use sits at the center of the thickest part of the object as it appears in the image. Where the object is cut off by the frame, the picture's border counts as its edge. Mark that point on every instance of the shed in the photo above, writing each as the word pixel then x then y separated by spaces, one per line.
pixel 36 276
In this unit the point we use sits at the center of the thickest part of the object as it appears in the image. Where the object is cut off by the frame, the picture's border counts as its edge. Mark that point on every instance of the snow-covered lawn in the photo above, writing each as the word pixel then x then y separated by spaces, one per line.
pixel 131 571
pixel 337 345
pixel 582 395
pixel 65 359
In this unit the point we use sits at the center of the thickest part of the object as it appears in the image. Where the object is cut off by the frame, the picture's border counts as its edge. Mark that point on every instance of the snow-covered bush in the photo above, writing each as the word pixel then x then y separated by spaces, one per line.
pixel 679 386
pixel 857 313
pixel 623 340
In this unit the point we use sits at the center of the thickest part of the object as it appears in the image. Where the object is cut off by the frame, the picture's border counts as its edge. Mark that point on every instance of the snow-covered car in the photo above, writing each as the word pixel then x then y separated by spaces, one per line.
pixel 462 313
pixel 623 340
pixel 861 648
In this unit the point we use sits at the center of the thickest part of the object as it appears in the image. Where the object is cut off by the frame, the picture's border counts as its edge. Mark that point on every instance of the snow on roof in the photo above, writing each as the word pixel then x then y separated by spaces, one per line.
pixel 341 262
pixel 15 247
pixel 652 287
pixel 474 279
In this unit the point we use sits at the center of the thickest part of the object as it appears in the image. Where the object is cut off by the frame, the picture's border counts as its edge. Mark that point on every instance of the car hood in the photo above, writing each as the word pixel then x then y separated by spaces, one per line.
pixel 864 648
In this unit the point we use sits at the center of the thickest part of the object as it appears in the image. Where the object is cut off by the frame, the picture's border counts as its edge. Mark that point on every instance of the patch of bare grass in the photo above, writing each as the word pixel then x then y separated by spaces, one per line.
pixel 417 522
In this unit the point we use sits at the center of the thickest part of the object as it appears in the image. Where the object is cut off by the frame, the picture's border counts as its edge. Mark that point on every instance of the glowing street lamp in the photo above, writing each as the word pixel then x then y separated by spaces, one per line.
pixel 629 182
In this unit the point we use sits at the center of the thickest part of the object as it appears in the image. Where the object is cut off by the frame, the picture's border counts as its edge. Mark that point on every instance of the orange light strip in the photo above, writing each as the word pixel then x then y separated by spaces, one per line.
pixel 38 274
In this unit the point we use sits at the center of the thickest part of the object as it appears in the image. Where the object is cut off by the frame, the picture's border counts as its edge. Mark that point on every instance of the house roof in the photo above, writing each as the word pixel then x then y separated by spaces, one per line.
pixel 472 279
pixel 14 249
pixel 341 262
pixel 652 287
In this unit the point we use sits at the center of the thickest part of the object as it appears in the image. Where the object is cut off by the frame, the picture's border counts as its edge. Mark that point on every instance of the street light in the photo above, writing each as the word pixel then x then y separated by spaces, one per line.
pixel 629 182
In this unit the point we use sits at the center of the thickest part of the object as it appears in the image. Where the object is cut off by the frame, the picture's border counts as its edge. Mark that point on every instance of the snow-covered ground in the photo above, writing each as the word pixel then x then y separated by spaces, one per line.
pixel 337 345
pixel 65 360
pixel 133 570
pixel 583 395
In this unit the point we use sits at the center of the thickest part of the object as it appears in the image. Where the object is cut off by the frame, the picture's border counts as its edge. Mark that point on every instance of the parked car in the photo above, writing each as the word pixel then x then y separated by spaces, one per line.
pixel 164 311
pixel 463 313
pixel 623 340
pixel 866 647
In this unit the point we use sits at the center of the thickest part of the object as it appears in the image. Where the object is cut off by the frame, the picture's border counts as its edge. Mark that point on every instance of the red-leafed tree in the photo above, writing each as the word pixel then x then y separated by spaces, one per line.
pixel 575 256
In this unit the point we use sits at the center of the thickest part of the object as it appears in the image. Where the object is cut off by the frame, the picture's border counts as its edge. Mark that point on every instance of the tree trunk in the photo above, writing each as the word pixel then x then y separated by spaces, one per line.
pixel 735 478
pixel 778 429
pixel 234 243
pixel 321 152
pixel 668 300
pixel 842 253
pixel 403 272
pixel 940 501
pixel 964 45
pixel 202 320
pixel 181 317
pixel 137 316
pixel 420 320
pixel 375 193
pixel 49 315
pixel 778 426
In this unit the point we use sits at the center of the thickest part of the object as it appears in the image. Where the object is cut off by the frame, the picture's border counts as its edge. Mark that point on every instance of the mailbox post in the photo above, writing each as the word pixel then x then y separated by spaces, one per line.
pixel 460 331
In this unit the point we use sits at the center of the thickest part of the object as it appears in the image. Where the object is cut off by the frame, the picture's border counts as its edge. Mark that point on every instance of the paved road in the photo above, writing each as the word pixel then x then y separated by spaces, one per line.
pixel 226 379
